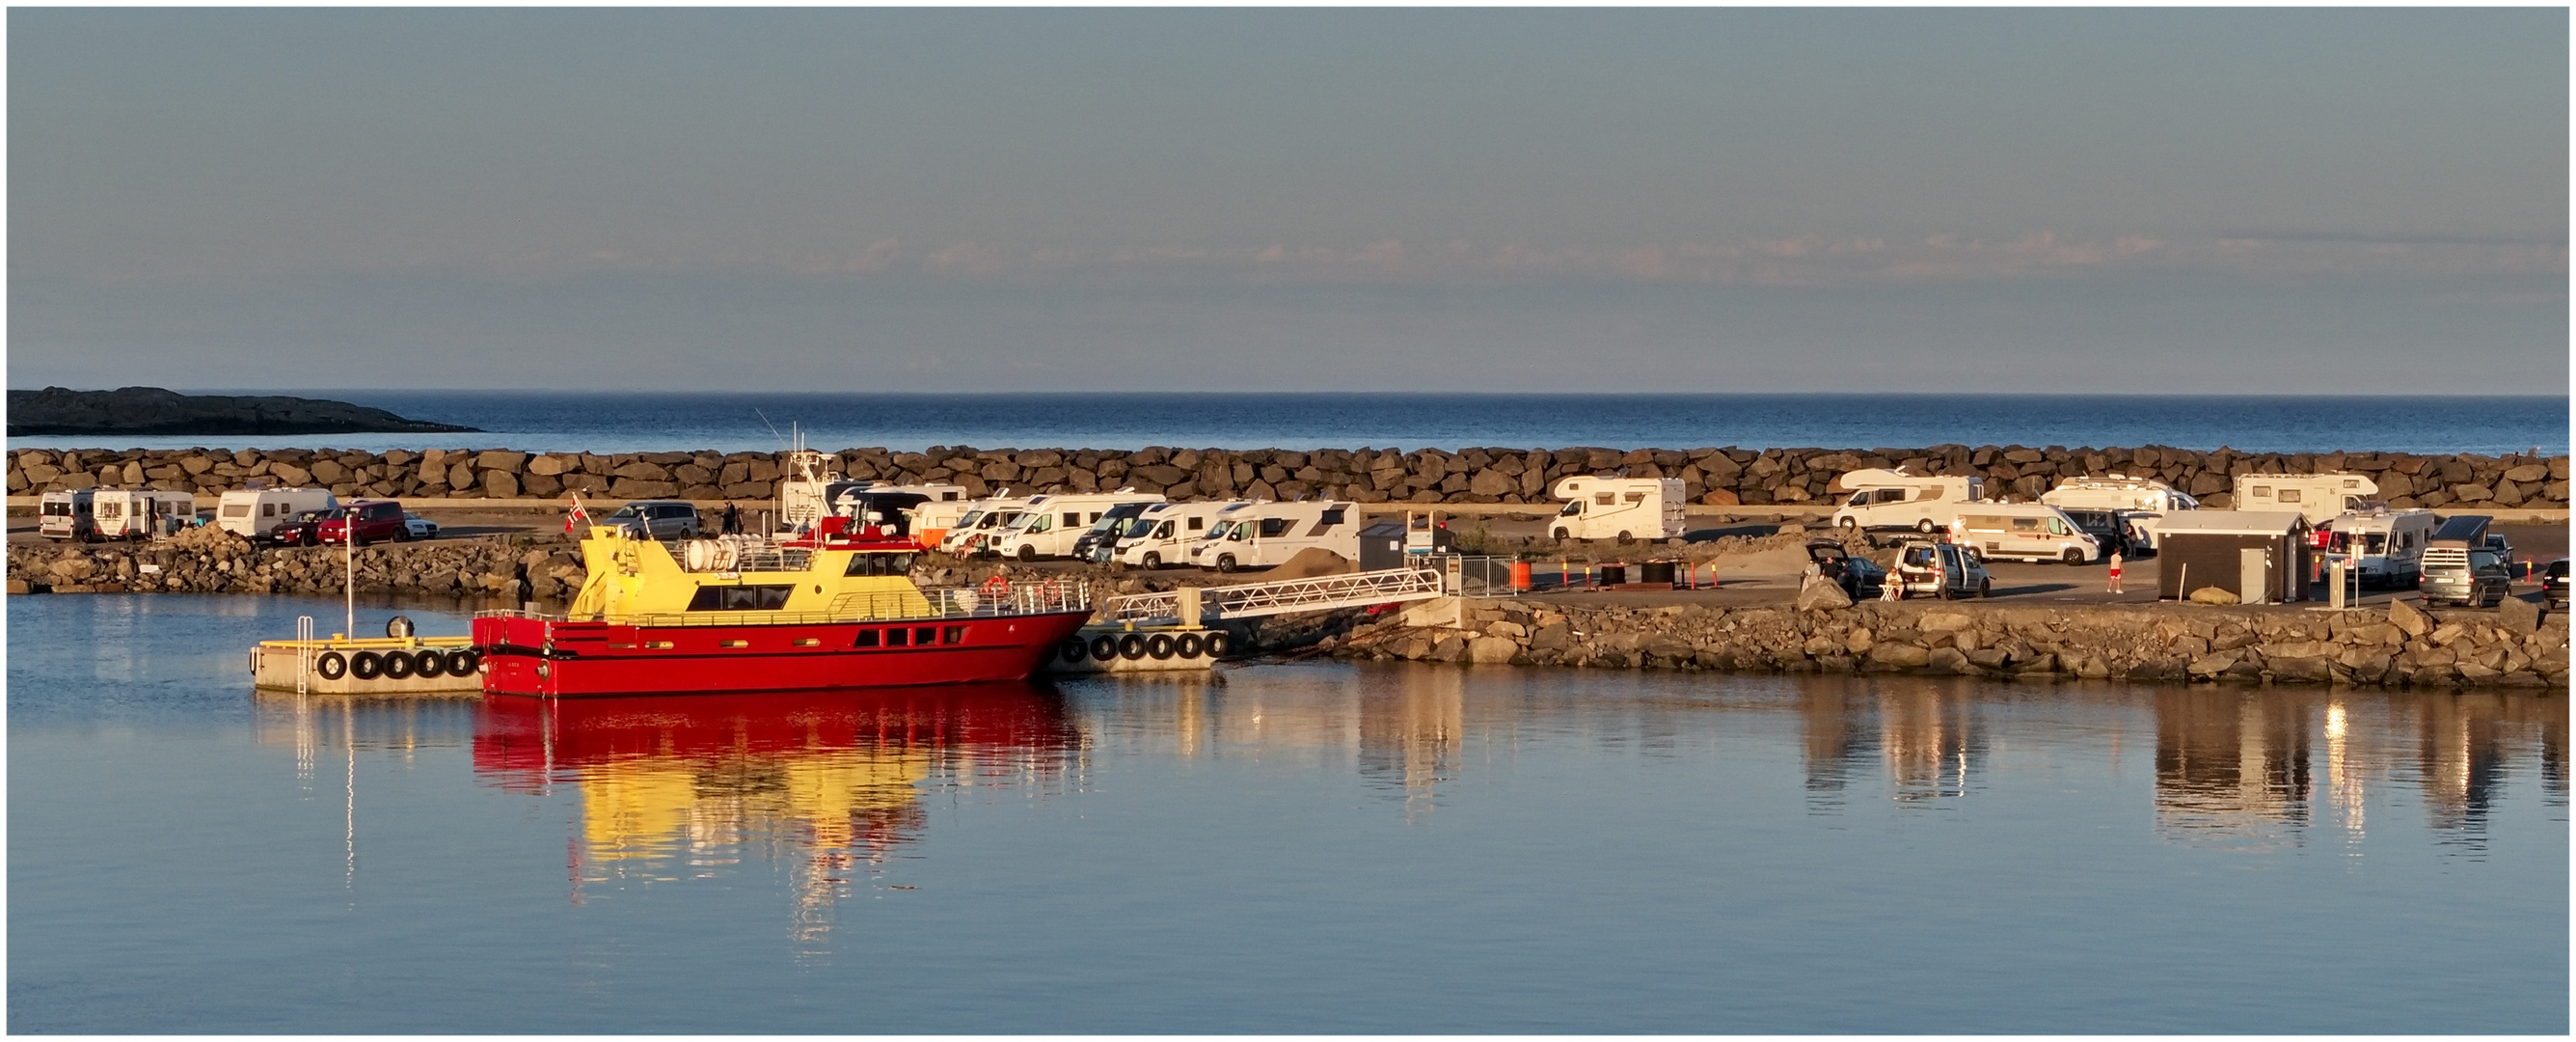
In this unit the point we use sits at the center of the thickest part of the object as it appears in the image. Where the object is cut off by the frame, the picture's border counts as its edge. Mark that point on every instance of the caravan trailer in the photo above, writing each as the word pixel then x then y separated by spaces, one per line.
pixel 65 515
pixel 1896 499
pixel 2385 546
pixel 1262 535
pixel 2315 496
pixel 136 514
pixel 1164 532
pixel 1619 508
pixel 252 512
pixel 1053 522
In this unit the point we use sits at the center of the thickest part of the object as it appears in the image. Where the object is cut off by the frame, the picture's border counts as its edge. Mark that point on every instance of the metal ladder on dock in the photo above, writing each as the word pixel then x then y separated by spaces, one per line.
pixel 1356 590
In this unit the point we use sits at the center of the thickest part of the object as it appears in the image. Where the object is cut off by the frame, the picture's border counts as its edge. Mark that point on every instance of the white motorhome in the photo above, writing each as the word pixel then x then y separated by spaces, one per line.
pixel 2022 531
pixel 251 512
pixel 1164 532
pixel 64 514
pixel 1619 508
pixel 2315 496
pixel 2140 501
pixel 983 517
pixel 1054 522
pixel 2385 546
pixel 1262 534
pixel 136 514
pixel 930 519
pixel 1896 499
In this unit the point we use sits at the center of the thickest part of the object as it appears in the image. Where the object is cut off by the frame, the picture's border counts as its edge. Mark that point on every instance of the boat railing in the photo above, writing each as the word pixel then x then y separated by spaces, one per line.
pixel 882 606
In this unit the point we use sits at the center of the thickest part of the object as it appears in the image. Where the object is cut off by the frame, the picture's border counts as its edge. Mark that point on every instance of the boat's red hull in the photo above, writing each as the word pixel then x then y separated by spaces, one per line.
pixel 526 656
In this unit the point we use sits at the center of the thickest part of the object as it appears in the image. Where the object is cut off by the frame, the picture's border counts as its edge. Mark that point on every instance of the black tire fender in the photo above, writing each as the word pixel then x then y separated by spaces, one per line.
pixel 1131 646
pixel 1216 644
pixel 1073 650
pixel 332 665
pixel 1104 647
pixel 463 662
pixel 1160 646
pixel 397 665
pixel 1188 645
pixel 366 665
pixel 429 663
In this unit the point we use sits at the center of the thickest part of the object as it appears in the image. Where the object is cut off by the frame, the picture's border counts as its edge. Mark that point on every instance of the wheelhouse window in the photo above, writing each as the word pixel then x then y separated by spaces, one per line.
pixel 952 635
pixel 740 598
pixel 869 639
pixel 879 564
pixel 898 637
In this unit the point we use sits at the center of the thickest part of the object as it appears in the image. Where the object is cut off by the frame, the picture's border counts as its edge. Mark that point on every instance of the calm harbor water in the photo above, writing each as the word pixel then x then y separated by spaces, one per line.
pixel 1290 848
pixel 608 423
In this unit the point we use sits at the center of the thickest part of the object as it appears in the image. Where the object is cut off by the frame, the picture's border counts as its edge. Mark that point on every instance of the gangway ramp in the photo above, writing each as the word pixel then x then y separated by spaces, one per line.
pixel 1249 600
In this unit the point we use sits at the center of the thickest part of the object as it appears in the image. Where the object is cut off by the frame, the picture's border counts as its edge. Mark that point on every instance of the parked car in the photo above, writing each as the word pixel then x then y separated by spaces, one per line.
pixel 1859 577
pixel 304 529
pixel 419 527
pixel 362 521
pixel 2553 585
pixel 1942 570
pixel 2455 574
pixel 656 519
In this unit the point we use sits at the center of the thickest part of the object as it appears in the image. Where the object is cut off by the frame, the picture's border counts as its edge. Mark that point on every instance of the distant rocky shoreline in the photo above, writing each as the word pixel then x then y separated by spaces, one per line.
pixel 1718 477
pixel 158 411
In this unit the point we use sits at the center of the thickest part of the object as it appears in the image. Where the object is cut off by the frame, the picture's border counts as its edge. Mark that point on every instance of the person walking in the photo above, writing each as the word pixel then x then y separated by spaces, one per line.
pixel 2115 571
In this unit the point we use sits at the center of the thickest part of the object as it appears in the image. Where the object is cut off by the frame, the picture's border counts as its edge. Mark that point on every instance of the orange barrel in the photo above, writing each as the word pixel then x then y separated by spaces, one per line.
pixel 1520 575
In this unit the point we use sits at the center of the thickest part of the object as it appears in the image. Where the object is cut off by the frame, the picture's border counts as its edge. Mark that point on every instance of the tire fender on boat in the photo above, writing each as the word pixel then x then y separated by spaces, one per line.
pixel 366 665
pixel 332 665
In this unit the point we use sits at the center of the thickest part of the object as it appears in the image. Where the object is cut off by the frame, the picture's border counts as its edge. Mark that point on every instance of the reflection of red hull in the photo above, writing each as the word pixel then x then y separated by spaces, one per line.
pixel 560 659
pixel 523 740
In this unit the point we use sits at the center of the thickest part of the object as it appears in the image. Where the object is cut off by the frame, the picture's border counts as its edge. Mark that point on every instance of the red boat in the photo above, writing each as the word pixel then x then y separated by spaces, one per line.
pixel 834 609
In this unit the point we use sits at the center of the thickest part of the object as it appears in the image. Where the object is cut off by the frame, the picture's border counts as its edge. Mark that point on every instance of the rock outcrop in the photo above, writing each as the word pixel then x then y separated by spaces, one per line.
pixel 157 411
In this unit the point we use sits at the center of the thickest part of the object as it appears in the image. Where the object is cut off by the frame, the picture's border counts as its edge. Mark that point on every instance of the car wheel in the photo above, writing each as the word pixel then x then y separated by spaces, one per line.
pixel 1626 538
pixel 1028 553
pixel 1153 560
pixel 2073 556
pixel 1925 526
pixel 403 534
pixel 1985 588
pixel 1560 534
pixel 1848 523
pixel 1225 562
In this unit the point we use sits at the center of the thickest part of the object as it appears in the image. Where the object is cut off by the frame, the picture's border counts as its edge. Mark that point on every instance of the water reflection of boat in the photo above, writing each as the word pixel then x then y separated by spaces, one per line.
pixel 829 781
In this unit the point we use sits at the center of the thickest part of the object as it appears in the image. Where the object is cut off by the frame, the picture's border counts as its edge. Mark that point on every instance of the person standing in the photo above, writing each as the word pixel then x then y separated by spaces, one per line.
pixel 2115 571
pixel 733 519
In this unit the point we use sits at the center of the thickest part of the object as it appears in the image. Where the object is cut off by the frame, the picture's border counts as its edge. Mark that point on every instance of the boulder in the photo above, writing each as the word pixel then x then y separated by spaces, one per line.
pixel 1492 649
pixel 2406 617
pixel 2519 615
pixel 2213 595
pixel 1903 656
pixel 1821 594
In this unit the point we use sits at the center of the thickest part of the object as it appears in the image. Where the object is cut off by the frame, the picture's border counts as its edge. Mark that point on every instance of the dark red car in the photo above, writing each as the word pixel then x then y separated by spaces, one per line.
pixel 302 530
pixel 376 520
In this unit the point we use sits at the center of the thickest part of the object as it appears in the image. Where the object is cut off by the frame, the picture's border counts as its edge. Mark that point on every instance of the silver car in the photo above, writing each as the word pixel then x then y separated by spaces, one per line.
pixel 2455 574
pixel 656 518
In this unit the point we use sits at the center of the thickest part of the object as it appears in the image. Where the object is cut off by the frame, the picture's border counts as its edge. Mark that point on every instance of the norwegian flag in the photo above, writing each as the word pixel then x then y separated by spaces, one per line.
pixel 578 516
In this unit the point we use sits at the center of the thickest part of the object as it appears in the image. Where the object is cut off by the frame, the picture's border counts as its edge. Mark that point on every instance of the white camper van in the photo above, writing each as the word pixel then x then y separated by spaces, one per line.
pixel 1261 534
pixel 136 514
pixel 65 515
pixel 1619 508
pixel 982 519
pixel 2385 546
pixel 1896 499
pixel 2314 496
pixel 2022 531
pixel 1164 533
pixel 251 512
pixel 1053 523
pixel 2141 502
pixel 930 519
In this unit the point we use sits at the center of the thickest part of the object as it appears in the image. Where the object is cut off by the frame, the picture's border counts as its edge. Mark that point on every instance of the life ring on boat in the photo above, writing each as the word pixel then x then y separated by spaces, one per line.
pixel 332 665
pixel 1132 646
pixel 1073 650
pixel 366 665
pixel 462 662
pixel 996 588
pixel 1104 647
pixel 398 627
pixel 1216 642
pixel 397 665
pixel 1188 645
pixel 429 663
pixel 1161 646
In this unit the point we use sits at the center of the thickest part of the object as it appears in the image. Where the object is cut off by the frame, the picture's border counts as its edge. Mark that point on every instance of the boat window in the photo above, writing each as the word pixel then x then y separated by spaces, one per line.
pixel 740 598
pixel 922 636
pixel 868 639
pixel 879 564
pixel 952 635
pixel 896 637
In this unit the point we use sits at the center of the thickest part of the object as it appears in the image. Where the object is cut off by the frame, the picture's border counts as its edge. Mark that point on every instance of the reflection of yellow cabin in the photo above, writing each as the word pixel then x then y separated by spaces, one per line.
pixel 744 579
pixel 654 806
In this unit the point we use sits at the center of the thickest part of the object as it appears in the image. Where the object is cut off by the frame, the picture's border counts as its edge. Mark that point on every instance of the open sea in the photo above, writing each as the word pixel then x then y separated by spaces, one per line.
pixel 630 422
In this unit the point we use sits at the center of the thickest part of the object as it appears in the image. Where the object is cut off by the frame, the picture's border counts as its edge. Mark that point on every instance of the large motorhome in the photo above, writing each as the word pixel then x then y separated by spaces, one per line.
pixel 1896 499
pixel 137 514
pixel 883 503
pixel 64 514
pixel 1162 535
pixel 2385 546
pixel 2025 531
pixel 930 519
pixel 2140 502
pixel 1261 535
pixel 2315 496
pixel 1054 522
pixel 251 512
pixel 1619 508
pixel 1101 542
pixel 982 519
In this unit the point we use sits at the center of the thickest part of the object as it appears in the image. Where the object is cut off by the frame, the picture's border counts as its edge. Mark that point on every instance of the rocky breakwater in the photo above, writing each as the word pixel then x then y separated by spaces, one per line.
pixel 2397 647
pixel 1710 476
pixel 210 560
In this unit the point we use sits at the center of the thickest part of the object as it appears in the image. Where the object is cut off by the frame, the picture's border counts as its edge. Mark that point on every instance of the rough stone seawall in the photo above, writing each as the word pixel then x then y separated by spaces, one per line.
pixel 1712 476
pixel 2399 646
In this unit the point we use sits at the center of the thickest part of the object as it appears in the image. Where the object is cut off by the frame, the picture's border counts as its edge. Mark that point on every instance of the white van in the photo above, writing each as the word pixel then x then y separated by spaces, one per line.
pixel 1619 508
pixel 1053 522
pixel 1164 532
pixel 2023 531
pixel 1896 499
pixel 1262 534
pixel 930 519
pixel 136 514
pixel 2315 496
pixel 2385 546
pixel 64 514
pixel 983 517
pixel 251 512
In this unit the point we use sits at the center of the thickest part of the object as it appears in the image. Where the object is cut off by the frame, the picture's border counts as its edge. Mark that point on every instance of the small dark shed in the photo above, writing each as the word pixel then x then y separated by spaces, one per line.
pixel 1382 545
pixel 2197 548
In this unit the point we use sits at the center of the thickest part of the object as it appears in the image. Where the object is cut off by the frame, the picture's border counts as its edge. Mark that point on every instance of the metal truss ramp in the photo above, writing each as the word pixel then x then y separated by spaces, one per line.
pixel 1357 590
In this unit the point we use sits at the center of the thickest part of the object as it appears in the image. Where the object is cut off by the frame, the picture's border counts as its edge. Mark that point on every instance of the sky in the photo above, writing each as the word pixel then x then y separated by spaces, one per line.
pixel 2275 201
